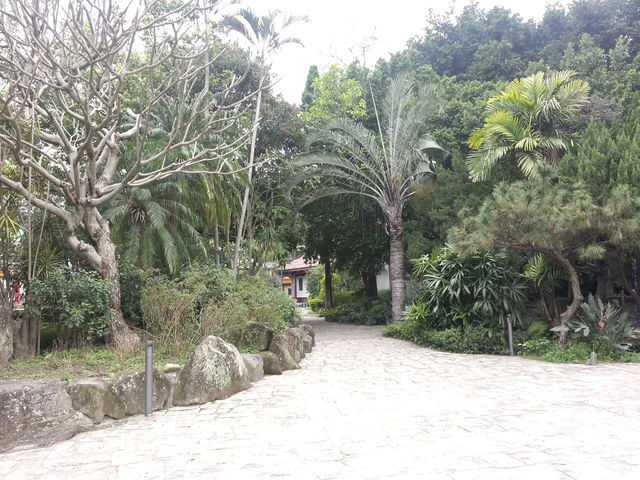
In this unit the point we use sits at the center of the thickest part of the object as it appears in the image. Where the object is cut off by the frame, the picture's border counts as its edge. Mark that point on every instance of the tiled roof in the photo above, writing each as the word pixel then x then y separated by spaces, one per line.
pixel 300 264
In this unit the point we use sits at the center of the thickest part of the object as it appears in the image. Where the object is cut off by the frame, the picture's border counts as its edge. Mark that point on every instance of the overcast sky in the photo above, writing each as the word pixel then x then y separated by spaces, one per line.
pixel 338 29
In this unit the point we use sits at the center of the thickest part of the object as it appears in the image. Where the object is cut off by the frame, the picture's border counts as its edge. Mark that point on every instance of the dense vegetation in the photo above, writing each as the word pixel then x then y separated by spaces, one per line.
pixel 513 189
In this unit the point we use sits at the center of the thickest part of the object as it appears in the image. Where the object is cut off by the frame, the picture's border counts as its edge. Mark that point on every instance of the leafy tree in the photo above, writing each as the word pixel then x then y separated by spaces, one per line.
pixel 71 88
pixel 334 95
pixel 385 166
pixel 524 123
pixel 541 218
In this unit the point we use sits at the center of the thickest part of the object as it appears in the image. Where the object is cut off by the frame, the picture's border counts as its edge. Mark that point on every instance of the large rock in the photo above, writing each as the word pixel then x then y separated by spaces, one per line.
pixel 307 341
pixel 255 366
pixel 285 348
pixel 256 336
pixel 271 364
pixel 91 396
pixel 308 329
pixel 129 394
pixel 298 335
pixel 215 370
pixel 36 413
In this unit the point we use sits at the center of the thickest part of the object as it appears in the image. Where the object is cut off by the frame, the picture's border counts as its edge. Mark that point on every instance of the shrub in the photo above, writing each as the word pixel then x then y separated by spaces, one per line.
pixel 472 339
pixel 316 304
pixel 204 301
pixel 607 328
pixel 478 289
pixel 77 302
pixel 132 281
pixel 536 347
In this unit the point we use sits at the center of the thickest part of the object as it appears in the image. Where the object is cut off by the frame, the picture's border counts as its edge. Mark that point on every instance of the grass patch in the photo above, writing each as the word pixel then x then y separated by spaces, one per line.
pixel 87 362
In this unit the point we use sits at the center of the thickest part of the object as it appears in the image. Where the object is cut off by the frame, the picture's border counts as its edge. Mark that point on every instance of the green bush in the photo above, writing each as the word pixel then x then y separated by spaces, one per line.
pixel 205 301
pixel 536 347
pixel 609 329
pixel 472 339
pixel 480 289
pixel 77 302
pixel 316 304
pixel 132 281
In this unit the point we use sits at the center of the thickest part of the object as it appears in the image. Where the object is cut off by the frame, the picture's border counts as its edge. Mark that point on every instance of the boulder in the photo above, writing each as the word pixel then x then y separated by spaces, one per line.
pixel 215 371
pixel 172 371
pixel 298 335
pixel 308 329
pixel 89 396
pixel 36 413
pixel 286 350
pixel 307 341
pixel 256 336
pixel 255 366
pixel 129 392
pixel 271 364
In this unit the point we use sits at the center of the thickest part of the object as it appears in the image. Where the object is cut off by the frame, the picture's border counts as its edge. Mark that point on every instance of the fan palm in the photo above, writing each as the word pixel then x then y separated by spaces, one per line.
pixel 385 166
pixel 524 123
pixel 264 33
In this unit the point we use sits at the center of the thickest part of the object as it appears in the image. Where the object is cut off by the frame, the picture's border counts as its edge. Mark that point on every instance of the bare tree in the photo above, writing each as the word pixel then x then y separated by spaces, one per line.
pixel 75 70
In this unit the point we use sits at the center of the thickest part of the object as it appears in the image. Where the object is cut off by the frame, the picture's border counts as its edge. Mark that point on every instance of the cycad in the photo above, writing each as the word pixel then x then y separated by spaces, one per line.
pixel 525 122
pixel 385 166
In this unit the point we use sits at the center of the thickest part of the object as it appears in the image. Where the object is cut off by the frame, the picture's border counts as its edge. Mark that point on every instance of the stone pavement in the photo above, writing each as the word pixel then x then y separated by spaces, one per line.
pixel 368 407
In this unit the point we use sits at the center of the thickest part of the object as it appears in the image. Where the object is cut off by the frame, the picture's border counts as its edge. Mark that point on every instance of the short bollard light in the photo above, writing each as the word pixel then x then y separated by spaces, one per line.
pixel 510 328
pixel 148 380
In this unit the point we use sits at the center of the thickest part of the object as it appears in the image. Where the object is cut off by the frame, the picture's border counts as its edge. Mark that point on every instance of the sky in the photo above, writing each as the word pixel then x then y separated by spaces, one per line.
pixel 340 31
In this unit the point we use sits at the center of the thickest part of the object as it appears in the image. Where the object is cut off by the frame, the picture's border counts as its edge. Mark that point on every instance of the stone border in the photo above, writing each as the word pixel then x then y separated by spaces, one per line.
pixel 41 412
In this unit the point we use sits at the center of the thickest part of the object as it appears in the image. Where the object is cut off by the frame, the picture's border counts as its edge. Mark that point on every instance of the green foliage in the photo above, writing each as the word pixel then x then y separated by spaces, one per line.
pixel 608 328
pixel 526 123
pixel 316 304
pixel 471 339
pixel 205 300
pixel 132 282
pixel 333 94
pixel 315 281
pixel 354 307
pixel 479 289
pixel 536 347
pixel 76 301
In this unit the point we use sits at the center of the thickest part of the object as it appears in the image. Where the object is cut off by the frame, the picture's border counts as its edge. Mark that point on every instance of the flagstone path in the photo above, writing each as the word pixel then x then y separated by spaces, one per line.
pixel 368 407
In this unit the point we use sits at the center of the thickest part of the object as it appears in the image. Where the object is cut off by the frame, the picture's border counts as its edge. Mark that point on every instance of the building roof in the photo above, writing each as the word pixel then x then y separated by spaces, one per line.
pixel 299 264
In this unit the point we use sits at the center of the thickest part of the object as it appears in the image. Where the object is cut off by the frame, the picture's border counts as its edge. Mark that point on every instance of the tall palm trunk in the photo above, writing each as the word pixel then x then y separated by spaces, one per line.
pixel 396 266
pixel 247 190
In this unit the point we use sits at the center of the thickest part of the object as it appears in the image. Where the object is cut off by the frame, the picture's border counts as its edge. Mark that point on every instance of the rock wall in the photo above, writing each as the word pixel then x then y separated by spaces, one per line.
pixel 46 411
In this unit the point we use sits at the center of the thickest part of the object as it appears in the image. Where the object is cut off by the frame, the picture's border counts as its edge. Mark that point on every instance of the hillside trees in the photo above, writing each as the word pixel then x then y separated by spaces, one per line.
pixel 67 68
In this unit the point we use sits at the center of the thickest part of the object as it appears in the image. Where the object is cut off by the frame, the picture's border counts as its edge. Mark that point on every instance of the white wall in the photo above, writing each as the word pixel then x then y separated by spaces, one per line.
pixel 382 279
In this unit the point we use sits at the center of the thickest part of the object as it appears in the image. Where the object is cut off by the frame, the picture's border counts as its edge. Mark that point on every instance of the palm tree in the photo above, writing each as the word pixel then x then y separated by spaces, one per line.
pixel 156 226
pixel 524 123
pixel 385 166
pixel 264 34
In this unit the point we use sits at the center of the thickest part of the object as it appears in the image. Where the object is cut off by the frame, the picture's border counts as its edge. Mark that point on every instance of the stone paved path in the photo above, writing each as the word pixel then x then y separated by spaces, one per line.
pixel 368 407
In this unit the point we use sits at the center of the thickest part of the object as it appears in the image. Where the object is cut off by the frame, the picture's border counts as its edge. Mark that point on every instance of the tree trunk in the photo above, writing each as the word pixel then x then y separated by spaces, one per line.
pixel 6 330
pixel 328 288
pixel 396 267
pixel 216 244
pixel 624 281
pixel 103 258
pixel 576 293
pixel 370 283
pixel 26 338
pixel 252 153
